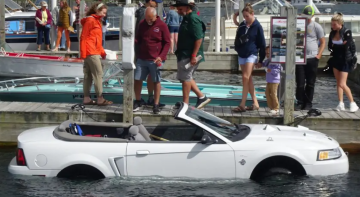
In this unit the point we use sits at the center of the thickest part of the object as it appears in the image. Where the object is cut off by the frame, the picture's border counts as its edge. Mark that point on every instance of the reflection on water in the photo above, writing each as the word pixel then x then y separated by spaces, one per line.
pixel 340 185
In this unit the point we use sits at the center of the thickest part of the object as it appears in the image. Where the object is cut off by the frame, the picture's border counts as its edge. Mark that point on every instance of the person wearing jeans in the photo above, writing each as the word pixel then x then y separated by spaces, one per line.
pixel 306 74
pixel 43 22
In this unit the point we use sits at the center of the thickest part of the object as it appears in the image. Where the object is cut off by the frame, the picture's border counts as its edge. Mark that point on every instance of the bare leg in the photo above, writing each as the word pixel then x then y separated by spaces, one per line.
pixel 171 43
pixel 340 91
pixel 252 92
pixel 246 74
pixel 196 89
pixel 137 89
pixel 150 86
pixel 175 40
pixel 186 85
pixel 157 88
pixel 342 76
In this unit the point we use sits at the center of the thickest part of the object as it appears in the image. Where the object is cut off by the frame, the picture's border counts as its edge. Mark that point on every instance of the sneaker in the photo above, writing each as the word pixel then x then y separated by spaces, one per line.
pixel 150 102
pixel 299 107
pixel 137 105
pixel 274 112
pixel 156 109
pixel 353 107
pixel 177 105
pixel 202 102
pixel 340 107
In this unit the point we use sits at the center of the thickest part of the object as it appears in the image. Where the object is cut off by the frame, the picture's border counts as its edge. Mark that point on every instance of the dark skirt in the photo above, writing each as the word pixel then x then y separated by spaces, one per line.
pixel 340 64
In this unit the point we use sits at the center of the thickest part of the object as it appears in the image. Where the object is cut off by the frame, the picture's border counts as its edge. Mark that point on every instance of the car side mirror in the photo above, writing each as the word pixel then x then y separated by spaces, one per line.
pixel 206 139
pixel 314 112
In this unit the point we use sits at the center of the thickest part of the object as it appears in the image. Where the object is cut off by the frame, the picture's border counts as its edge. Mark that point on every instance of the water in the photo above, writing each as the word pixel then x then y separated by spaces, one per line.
pixel 21 186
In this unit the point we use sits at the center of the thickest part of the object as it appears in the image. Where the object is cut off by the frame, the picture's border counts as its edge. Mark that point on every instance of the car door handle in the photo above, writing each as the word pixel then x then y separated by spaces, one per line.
pixel 142 152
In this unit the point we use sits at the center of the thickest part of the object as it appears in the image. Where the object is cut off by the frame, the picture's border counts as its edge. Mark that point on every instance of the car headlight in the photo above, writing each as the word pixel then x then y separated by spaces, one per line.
pixel 328 154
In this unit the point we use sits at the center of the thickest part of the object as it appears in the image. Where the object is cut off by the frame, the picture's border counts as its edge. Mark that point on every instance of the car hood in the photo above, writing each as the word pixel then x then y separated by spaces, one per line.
pixel 37 134
pixel 299 137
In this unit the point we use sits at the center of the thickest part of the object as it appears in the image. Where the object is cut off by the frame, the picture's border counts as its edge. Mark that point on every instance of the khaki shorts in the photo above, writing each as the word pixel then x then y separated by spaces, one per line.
pixel 184 74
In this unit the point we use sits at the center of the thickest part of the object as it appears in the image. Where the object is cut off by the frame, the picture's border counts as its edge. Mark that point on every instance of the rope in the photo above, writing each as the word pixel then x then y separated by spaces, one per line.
pixel 81 108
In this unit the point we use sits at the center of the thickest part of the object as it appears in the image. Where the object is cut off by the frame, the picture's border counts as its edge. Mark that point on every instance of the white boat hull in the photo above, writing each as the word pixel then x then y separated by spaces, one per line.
pixel 27 67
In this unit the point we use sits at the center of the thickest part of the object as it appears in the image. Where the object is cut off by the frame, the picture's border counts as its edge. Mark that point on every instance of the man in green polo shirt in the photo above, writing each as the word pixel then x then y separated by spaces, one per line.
pixel 189 48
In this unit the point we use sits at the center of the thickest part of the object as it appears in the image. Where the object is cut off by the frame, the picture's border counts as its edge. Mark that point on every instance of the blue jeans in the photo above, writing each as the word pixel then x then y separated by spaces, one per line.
pixel 103 39
pixel 43 32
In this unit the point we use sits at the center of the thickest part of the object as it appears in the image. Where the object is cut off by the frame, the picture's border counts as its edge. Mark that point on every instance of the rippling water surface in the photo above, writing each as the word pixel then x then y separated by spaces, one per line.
pixel 19 186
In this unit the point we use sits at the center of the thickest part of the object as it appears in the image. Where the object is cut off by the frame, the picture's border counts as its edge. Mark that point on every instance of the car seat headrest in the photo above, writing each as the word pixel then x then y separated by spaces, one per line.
pixel 137 120
pixel 134 130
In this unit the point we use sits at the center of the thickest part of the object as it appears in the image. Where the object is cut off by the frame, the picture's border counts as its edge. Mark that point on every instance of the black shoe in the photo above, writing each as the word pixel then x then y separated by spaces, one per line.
pixel 202 102
pixel 307 107
pixel 137 105
pixel 143 101
pixel 156 109
pixel 150 102
pixel 299 107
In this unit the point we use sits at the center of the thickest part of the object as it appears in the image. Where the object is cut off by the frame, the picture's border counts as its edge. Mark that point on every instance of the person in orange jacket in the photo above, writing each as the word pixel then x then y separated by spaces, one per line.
pixel 91 50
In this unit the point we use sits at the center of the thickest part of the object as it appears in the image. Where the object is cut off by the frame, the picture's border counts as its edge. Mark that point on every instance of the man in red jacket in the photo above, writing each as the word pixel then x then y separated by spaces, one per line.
pixel 153 39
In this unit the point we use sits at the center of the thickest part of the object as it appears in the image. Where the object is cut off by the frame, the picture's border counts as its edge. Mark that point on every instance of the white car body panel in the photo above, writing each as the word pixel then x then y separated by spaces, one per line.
pixel 180 160
pixel 46 155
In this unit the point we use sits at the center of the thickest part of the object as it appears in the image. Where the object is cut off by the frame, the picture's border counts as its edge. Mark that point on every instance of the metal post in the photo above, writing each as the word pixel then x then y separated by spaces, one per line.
pixel 217 29
pixel 223 34
pixel 128 2
pixel 2 22
pixel 290 65
pixel 160 10
pixel 81 15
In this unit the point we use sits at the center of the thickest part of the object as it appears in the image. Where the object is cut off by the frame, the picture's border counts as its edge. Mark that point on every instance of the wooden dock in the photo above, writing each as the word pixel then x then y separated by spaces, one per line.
pixel 16 117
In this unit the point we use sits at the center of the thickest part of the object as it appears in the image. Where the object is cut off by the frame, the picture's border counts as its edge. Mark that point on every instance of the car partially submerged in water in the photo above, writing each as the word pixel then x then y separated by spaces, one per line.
pixel 202 146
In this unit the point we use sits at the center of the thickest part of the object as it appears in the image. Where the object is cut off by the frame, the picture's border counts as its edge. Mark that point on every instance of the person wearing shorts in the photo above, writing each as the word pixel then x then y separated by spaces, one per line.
pixel 190 46
pixel 173 21
pixel 249 43
pixel 153 39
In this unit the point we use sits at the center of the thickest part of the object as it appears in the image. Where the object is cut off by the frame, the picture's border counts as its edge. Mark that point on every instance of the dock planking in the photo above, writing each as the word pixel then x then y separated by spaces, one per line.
pixel 19 116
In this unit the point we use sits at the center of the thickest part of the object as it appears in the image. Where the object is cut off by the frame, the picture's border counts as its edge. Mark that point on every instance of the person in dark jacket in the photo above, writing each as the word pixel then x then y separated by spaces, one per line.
pixel 340 45
pixel 140 15
pixel 153 39
pixel 43 22
pixel 249 43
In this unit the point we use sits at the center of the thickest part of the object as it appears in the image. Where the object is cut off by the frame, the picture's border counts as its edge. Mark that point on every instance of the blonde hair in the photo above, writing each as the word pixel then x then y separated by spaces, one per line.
pixel 338 17
pixel 248 8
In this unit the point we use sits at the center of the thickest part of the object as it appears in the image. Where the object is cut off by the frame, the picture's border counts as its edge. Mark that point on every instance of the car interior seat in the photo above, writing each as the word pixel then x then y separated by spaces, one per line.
pixel 142 130
pixel 134 134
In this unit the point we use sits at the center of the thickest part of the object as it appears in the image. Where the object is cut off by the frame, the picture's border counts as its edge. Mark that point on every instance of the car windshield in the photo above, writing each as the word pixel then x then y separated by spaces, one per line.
pixel 231 131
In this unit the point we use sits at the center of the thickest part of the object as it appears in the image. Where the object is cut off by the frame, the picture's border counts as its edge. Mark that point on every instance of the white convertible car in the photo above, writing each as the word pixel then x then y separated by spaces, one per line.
pixel 202 146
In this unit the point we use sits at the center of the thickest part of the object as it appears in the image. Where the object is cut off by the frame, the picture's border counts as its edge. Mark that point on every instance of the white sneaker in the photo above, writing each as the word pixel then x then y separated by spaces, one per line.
pixel 340 107
pixel 353 107
pixel 274 112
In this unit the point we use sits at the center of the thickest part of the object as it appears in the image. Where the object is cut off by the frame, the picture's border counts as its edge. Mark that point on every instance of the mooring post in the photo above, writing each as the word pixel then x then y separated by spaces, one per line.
pixel 281 89
pixel 290 65
pixel 2 22
pixel 128 55
pixel 81 16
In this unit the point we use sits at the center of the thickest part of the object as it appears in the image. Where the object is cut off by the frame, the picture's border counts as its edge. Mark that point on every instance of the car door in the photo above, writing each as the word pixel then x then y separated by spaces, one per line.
pixel 180 159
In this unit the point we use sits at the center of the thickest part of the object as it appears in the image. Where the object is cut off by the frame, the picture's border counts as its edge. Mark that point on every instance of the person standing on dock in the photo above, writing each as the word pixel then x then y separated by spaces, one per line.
pixel 91 50
pixel 43 23
pixel 140 15
pixel 64 21
pixel 190 46
pixel 249 43
pixel 343 49
pixel 153 39
pixel 306 74
pixel 173 21
pixel 55 18
pixel 77 16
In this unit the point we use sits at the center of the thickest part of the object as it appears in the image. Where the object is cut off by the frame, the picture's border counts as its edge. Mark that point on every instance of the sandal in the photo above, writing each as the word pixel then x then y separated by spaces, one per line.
pixel 91 102
pixel 106 102
pixel 239 109
pixel 252 107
